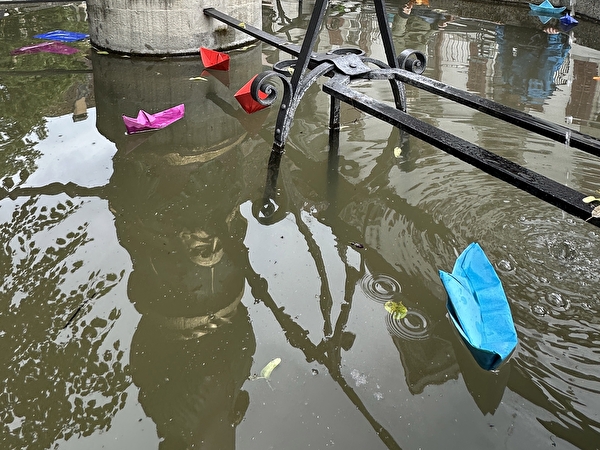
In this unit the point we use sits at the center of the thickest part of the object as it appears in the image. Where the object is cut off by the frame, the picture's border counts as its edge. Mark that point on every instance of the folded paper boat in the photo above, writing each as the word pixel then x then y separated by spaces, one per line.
pixel 62 35
pixel 568 21
pixel 149 122
pixel 46 47
pixel 547 8
pixel 244 98
pixel 214 60
pixel 479 309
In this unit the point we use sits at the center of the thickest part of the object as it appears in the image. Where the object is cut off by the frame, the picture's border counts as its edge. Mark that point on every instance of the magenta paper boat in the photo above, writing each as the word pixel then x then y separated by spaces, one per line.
pixel 149 122
pixel 213 59
pixel 47 47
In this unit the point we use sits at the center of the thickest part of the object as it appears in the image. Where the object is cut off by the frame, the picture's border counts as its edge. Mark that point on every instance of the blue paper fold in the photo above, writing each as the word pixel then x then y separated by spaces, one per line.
pixel 61 35
pixel 479 309
pixel 546 7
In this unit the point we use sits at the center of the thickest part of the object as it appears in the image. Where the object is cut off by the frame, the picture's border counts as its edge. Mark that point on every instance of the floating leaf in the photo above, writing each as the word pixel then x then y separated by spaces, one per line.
pixel 397 152
pixel 396 309
pixel 595 213
pixel 591 199
pixel 101 52
pixel 266 371
pixel 197 79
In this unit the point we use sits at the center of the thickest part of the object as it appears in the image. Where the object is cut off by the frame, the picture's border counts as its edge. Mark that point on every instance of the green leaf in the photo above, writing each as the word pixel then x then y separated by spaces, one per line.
pixel 266 371
pixel 396 309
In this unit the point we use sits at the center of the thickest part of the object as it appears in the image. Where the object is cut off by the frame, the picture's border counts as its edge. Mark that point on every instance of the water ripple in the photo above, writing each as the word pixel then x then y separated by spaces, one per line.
pixel 380 287
pixel 413 327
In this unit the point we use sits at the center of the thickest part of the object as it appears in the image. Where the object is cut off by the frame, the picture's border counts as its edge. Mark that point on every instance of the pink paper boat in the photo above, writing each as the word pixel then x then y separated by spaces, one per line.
pixel 213 59
pixel 244 98
pixel 47 47
pixel 150 122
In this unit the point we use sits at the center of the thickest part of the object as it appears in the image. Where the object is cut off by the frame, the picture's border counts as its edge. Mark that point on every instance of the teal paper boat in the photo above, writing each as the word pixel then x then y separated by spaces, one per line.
pixel 478 307
pixel 547 8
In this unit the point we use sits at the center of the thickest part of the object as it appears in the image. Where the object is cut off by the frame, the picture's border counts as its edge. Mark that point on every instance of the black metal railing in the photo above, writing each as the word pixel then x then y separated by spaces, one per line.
pixel 343 66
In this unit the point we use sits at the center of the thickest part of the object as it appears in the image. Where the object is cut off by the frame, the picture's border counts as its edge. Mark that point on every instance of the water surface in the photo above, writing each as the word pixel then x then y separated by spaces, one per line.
pixel 143 290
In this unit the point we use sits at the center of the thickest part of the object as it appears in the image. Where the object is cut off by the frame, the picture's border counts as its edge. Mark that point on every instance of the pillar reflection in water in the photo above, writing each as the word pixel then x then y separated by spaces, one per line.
pixel 176 195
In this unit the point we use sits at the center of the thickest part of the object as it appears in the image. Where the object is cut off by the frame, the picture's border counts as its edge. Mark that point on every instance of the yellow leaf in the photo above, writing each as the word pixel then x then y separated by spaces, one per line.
pixel 242 25
pixel 266 371
pixel 396 309
pixel 101 52
pixel 590 199
pixel 397 152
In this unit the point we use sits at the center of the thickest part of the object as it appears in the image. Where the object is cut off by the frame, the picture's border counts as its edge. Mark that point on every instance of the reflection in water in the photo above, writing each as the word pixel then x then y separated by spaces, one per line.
pixel 192 350
pixel 529 60
pixel 175 205
pixel 64 371
pixel 176 198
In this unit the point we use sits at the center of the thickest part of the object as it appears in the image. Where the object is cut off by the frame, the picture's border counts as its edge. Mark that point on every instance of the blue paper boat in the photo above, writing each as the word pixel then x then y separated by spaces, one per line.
pixel 568 21
pixel 478 307
pixel 547 8
pixel 61 35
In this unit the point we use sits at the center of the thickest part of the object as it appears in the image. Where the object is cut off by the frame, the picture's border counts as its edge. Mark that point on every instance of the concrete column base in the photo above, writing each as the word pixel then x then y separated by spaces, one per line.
pixel 168 27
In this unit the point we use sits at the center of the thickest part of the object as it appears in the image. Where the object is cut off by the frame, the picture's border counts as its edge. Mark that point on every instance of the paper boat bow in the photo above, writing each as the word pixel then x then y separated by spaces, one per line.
pixel 213 59
pixel 547 8
pixel 479 309
pixel 244 98
pixel 148 122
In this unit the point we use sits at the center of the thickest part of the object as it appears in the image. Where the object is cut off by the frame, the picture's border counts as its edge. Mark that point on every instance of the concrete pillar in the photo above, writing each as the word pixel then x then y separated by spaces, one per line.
pixel 168 27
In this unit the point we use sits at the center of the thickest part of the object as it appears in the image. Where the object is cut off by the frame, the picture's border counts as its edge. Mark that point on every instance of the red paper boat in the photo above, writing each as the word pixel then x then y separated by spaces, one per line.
pixel 149 122
pixel 245 99
pixel 214 60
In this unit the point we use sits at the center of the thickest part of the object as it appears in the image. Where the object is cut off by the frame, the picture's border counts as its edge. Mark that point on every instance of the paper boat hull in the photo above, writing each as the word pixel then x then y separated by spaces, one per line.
pixel 214 60
pixel 62 35
pixel 547 8
pixel 244 98
pixel 45 47
pixel 479 309
pixel 149 122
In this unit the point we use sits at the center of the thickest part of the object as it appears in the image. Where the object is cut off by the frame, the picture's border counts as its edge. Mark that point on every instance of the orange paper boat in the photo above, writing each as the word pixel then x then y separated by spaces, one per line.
pixel 149 122
pixel 213 59
pixel 244 98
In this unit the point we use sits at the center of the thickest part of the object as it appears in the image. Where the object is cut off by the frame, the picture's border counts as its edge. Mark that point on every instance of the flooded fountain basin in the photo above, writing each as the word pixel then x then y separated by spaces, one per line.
pixel 145 298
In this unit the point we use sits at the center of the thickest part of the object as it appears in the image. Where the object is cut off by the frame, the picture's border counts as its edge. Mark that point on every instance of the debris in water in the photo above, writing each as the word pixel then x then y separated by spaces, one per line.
pixel 590 199
pixel 595 213
pixel 396 309
pixel 359 378
pixel 268 369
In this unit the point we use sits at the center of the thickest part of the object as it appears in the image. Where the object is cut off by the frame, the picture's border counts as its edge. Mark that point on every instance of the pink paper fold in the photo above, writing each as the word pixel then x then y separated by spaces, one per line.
pixel 148 122
pixel 47 47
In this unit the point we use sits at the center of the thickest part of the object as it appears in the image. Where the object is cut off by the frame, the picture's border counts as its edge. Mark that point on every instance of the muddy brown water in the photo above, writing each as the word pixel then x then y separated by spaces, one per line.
pixel 143 291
